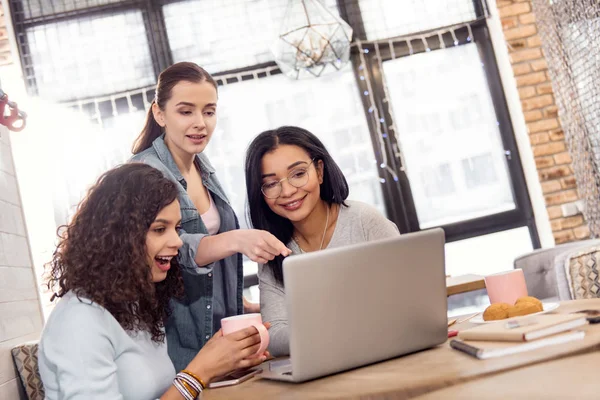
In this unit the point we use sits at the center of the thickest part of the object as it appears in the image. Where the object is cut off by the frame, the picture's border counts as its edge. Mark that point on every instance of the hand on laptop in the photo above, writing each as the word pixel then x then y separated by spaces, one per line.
pixel 223 354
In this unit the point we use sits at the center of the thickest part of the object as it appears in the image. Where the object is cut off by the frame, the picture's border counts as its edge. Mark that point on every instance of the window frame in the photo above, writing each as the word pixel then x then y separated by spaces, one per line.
pixel 397 196
pixel 153 22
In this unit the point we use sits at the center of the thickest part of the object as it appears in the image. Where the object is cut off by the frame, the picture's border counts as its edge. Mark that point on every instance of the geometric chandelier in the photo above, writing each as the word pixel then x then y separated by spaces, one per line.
pixel 312 41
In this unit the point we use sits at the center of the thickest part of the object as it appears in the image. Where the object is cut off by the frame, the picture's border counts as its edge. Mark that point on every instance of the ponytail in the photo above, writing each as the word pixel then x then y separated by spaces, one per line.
pixel 149 133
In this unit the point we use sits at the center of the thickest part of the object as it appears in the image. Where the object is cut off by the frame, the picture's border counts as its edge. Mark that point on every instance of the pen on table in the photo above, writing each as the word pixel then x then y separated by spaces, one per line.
pixel 452 333
pixel 467 348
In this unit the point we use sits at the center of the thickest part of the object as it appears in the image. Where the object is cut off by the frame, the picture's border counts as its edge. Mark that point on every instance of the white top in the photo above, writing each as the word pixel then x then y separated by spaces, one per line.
pixel 357 223
pixel 85 354
pixel 211 218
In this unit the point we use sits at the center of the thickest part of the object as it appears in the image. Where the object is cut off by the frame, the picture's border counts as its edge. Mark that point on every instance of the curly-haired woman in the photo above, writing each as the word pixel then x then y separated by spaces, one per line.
pixel 115 270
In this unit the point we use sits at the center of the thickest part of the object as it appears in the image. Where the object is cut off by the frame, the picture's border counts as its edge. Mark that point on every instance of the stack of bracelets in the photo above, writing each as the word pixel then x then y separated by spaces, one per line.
pixel 189 385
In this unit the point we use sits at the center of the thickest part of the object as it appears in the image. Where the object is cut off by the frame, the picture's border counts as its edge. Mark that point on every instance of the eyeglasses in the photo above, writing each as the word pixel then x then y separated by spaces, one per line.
pixel 297 178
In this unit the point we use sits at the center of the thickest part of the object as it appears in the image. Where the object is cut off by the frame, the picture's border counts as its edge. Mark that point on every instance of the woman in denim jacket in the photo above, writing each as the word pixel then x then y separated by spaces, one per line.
pixel 178 128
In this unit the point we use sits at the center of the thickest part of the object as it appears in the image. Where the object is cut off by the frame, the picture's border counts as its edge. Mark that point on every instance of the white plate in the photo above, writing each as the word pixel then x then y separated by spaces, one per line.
pixel 548 306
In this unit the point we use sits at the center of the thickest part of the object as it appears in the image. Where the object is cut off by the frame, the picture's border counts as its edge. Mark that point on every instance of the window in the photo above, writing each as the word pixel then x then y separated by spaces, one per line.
pixel 390 18
pixel 91 52
pixel 479 171
pixel 227 35
pixel 447 85
pixel 418 121
pixel 250 107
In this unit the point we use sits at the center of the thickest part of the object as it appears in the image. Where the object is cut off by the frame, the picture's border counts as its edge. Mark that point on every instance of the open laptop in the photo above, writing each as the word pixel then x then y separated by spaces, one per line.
pixel 357 305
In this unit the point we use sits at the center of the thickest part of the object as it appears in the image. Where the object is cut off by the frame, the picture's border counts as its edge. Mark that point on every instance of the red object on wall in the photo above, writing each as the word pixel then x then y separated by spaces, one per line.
pixel 12 118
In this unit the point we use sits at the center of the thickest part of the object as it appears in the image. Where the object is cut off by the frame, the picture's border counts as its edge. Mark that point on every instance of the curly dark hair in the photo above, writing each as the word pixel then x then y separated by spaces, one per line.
pixel 102 253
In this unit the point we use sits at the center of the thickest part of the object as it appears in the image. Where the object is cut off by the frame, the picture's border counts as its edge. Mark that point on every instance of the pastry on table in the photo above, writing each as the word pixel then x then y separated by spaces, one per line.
pixel 496 312
pixel 524 308
pixel 529 299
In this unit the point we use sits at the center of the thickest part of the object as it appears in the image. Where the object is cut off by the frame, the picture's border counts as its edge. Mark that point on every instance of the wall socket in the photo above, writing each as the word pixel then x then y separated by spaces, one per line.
pixel 573 208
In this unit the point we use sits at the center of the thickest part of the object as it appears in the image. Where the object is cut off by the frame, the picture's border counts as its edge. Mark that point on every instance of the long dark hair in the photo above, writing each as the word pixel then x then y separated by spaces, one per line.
pixel 102 253
pixel 183 71
pixel 334 189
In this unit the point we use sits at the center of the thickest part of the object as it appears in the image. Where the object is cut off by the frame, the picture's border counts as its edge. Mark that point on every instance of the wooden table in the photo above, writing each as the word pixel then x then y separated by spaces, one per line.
pixel 415 374
pixel 464 283
pixel 568 378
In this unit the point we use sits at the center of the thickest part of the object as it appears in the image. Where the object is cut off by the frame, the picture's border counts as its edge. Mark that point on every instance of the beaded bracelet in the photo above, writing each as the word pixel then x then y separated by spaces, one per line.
pixel 187 394
pixel 188 385
pixel 185 371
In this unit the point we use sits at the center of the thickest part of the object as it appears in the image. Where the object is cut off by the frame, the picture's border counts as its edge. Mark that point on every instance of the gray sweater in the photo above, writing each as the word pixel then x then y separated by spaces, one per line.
pixel 357 223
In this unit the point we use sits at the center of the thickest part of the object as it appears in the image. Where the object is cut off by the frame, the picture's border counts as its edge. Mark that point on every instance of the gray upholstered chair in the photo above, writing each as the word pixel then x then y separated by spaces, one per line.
pixel 544 269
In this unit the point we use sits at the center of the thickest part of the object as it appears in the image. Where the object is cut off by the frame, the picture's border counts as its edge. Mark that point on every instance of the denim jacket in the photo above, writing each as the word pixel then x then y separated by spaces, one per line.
pixel 191 323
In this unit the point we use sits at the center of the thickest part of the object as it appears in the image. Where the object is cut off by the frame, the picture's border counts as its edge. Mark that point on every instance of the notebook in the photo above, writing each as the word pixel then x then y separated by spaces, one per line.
pixel 486 349
pixel 524 329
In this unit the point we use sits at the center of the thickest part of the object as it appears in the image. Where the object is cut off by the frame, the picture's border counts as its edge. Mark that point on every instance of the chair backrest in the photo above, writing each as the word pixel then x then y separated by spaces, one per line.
pixel 544 269
pixel 582 271
pixel 25 357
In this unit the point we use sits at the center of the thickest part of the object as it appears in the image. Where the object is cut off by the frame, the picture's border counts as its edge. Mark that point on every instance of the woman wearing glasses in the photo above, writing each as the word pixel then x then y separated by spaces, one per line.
pixel 298 193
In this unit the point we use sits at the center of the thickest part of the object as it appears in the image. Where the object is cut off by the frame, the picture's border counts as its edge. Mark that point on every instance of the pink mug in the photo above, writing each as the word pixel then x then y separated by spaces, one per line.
pixel 239 322
pixel 506 287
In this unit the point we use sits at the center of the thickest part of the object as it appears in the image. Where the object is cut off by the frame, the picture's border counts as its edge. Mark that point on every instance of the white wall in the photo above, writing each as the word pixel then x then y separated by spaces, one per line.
pixel 20 315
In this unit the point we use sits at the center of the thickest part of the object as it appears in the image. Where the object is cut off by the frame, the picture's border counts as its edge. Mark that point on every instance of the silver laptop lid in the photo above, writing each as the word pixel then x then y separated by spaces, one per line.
pixel 356 305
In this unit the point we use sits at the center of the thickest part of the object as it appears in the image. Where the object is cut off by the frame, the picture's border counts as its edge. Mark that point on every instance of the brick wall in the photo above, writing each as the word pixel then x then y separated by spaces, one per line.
pixel 547 140
pixel 20 316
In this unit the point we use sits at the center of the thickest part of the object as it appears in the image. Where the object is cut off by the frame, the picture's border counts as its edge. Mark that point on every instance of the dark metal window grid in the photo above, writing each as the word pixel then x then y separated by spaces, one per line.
pixel 399 202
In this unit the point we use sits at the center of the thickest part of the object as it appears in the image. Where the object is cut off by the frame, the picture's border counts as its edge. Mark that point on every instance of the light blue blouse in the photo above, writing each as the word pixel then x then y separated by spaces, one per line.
pixel 84 353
